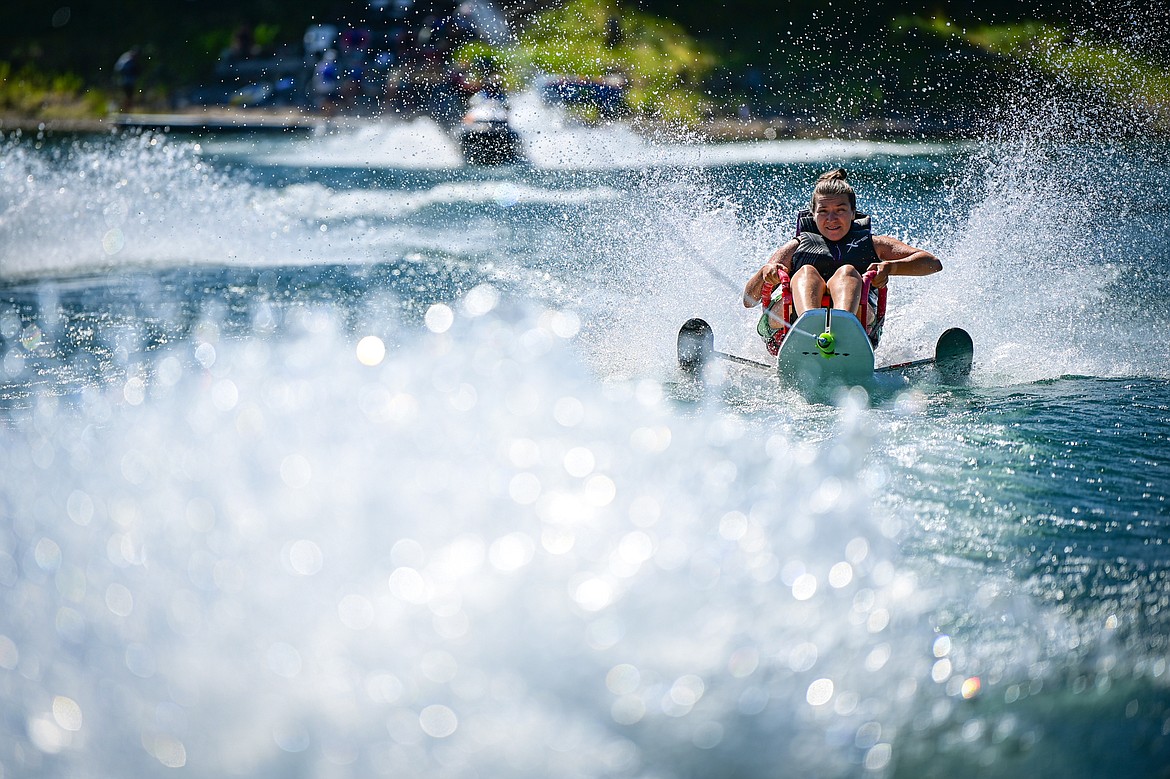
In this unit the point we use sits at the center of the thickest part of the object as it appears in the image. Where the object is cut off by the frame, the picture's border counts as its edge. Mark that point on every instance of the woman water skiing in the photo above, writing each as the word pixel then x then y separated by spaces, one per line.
pixel 831 252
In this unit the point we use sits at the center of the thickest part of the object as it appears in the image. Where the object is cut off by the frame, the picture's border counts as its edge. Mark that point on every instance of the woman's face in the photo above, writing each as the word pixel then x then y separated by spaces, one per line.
pixel 834 216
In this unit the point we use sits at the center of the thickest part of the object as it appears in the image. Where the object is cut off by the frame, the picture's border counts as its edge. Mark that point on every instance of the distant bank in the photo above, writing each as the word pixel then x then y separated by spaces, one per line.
pixel 223 121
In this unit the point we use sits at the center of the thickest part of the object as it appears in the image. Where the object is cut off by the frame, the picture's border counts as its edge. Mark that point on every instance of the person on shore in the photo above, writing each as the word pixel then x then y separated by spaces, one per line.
pixel 126 72
pixel 327 83
pixel 833 248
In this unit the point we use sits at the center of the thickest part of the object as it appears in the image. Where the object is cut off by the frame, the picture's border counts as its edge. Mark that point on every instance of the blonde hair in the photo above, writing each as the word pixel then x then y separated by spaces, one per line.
pixel 835 183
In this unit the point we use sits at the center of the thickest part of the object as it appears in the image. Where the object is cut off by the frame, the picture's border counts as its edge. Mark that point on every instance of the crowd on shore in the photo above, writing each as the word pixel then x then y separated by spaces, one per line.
pixel 397 56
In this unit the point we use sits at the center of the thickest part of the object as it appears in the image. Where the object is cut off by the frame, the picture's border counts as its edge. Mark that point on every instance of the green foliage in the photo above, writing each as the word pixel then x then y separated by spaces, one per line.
pixel 27 92
pixel 212 42
pixel 266 35
pixel 662 65
pixel 1126 77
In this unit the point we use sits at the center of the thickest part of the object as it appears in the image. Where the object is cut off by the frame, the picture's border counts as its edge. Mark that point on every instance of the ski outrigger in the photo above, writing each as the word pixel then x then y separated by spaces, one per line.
pixel 827 349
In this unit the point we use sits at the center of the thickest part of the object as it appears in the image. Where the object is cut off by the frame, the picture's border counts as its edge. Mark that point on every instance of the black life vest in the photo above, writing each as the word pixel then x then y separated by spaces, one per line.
pixel 855 249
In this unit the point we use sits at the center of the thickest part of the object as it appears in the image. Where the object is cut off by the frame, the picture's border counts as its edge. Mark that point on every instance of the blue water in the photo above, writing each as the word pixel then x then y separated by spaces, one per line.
pixel 328 456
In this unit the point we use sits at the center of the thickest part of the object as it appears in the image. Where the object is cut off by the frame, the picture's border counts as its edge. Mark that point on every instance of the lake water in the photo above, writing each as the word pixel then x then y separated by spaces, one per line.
pixel 327 457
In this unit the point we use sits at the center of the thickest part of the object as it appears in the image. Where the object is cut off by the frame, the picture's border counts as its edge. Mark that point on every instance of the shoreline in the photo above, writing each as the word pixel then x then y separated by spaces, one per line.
pixel 220 121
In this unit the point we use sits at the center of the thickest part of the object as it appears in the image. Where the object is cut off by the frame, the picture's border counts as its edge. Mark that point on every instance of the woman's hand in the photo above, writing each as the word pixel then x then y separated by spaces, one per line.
pixel 882 271
pixel 772 273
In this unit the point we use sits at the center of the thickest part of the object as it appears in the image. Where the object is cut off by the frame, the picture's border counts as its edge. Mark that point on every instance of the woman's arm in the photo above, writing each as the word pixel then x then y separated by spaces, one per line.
pixel 781 259
pixel 901 259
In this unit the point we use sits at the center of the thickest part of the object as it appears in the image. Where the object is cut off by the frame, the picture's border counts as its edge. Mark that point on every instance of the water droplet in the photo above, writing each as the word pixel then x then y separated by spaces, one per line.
pixel 438 721
pixel 819 692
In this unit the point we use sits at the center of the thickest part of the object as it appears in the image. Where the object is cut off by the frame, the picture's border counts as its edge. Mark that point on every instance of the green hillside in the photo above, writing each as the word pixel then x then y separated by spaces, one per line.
pixel 824 61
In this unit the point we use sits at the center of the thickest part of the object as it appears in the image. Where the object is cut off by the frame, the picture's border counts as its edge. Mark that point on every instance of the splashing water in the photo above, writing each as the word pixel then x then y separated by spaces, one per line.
pixel 325 469
pixel 620 586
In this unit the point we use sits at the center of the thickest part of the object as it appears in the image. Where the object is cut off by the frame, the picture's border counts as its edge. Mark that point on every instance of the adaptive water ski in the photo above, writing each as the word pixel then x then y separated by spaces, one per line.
pixel 827 349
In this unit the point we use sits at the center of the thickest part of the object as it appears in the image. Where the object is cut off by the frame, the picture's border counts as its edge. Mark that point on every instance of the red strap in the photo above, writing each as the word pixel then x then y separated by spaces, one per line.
pixel 768 289
pixel 866 283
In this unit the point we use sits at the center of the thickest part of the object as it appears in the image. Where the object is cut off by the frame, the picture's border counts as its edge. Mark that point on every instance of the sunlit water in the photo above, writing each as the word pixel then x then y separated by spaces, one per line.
pixel 331 457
